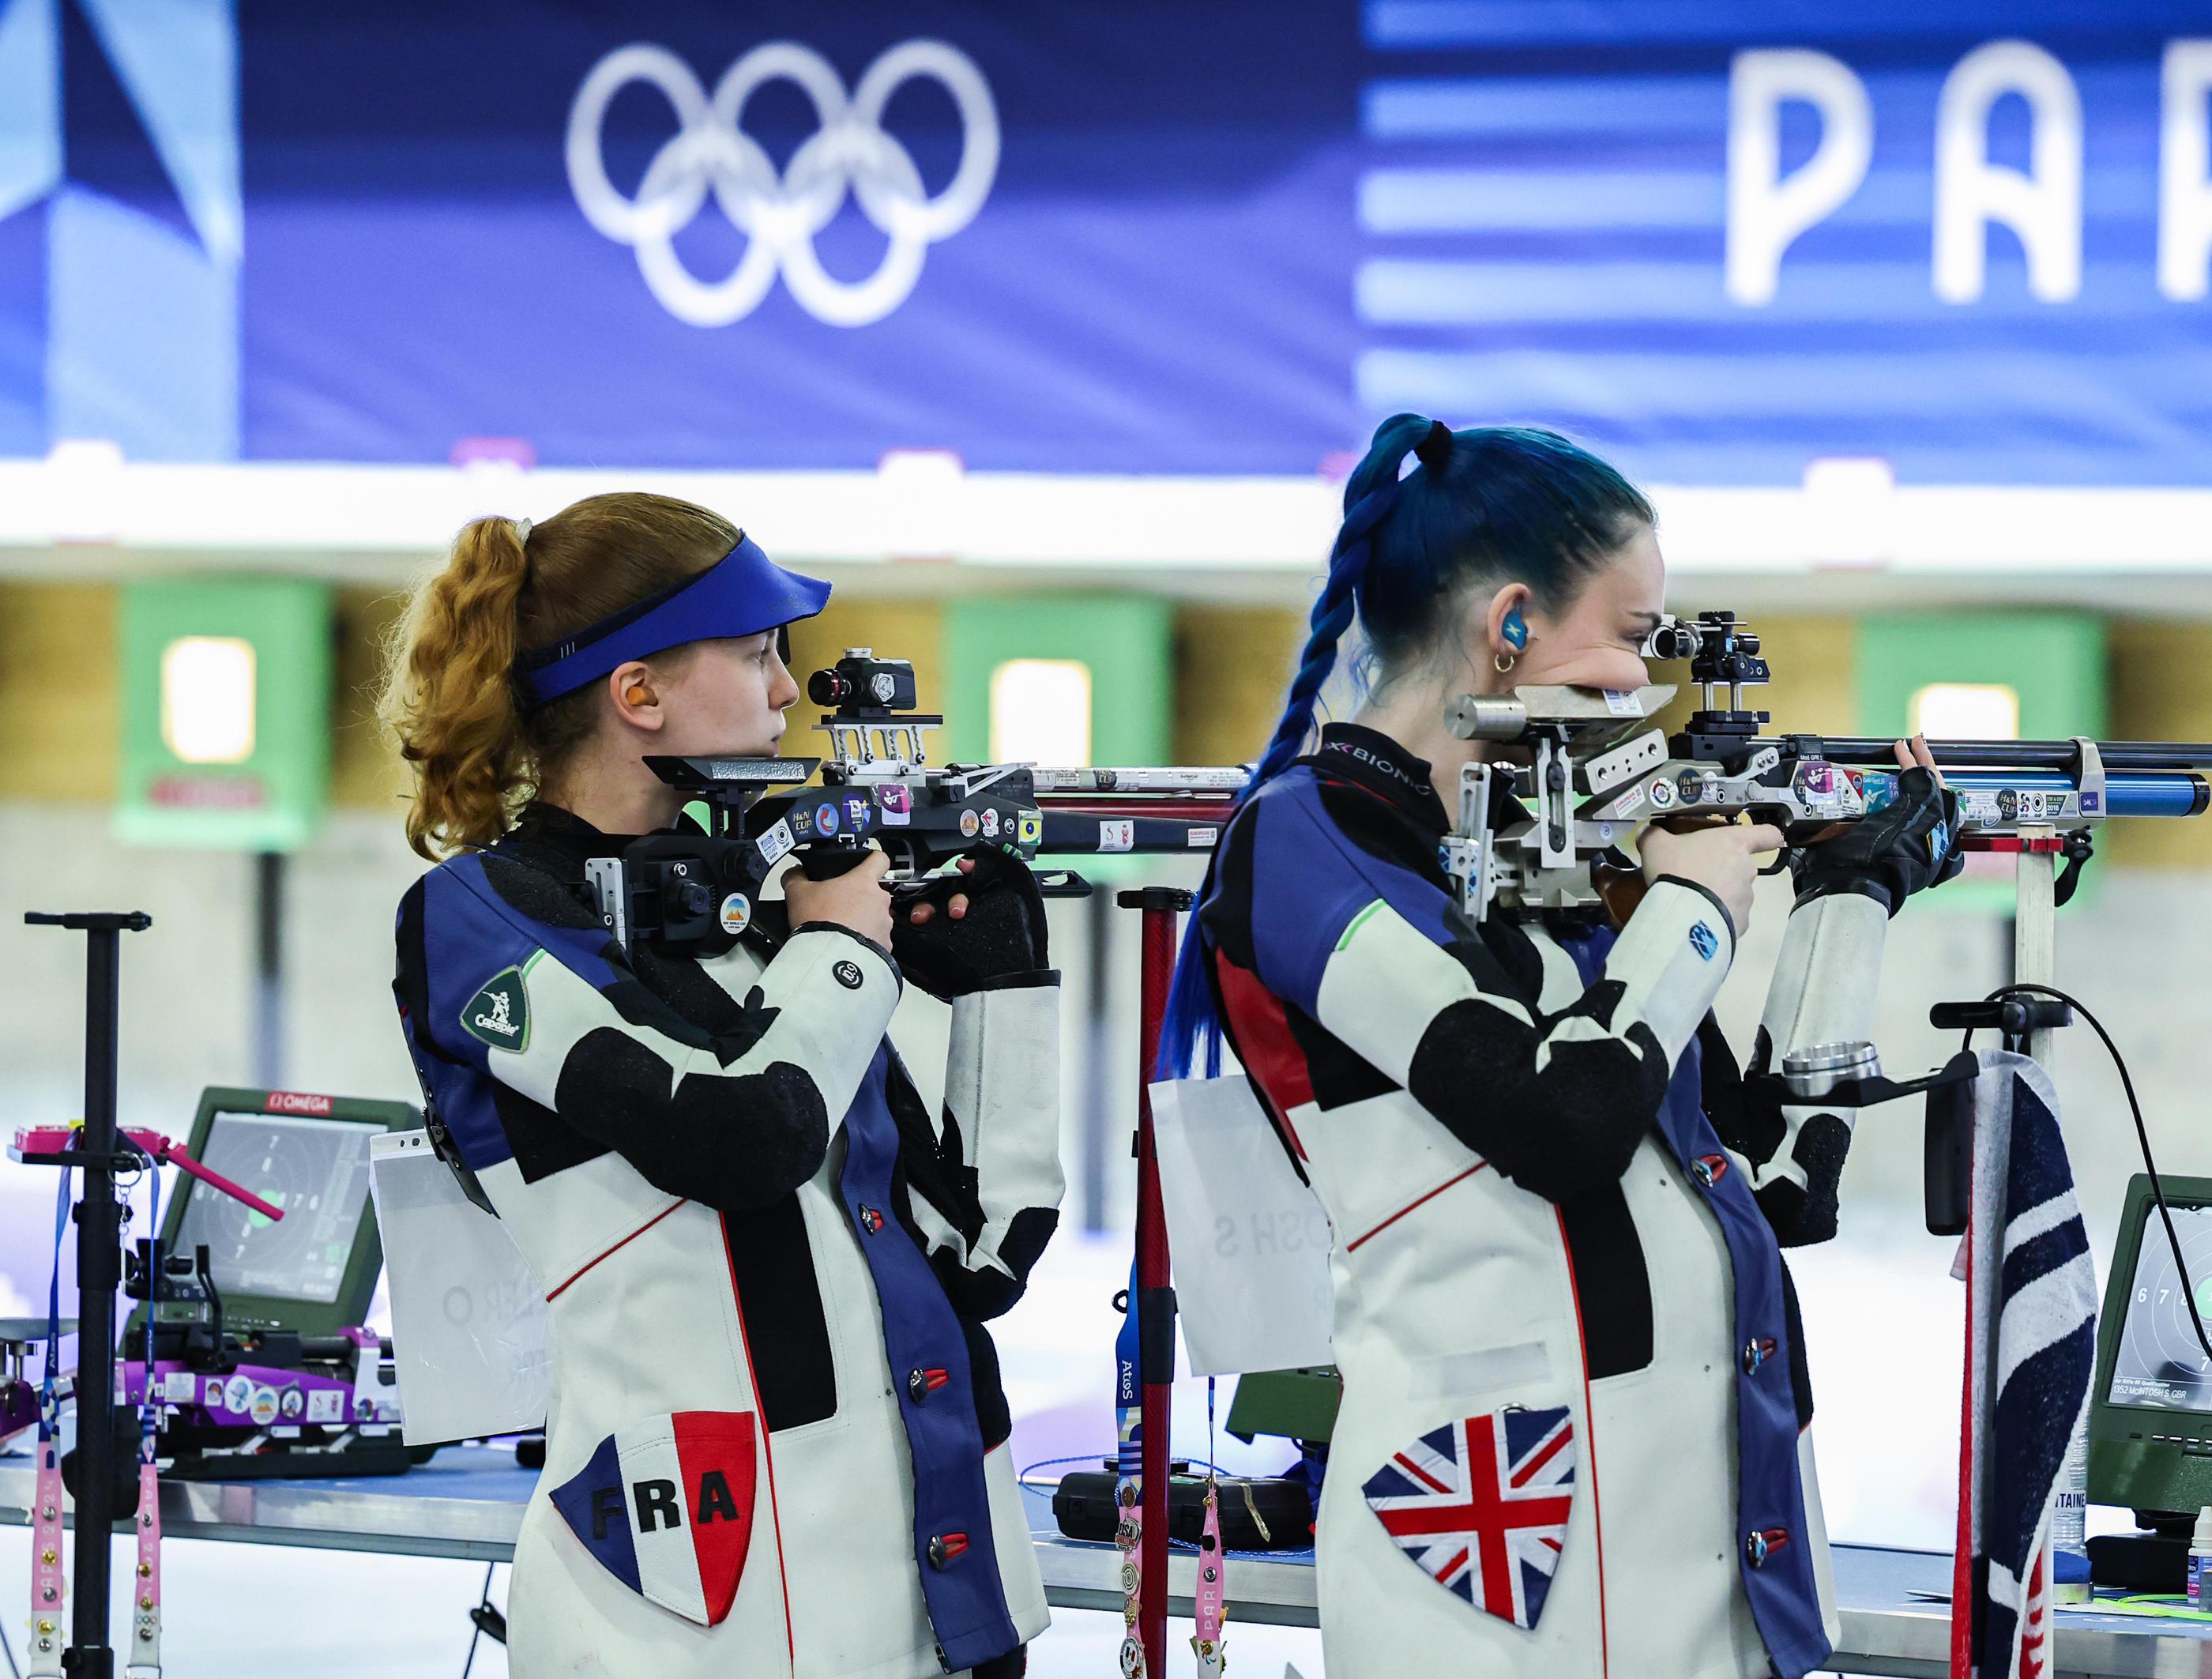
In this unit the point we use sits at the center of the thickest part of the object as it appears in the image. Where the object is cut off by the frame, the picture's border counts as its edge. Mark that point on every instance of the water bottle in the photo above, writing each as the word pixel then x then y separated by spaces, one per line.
pixel 2200 1557
pixel 2069 1549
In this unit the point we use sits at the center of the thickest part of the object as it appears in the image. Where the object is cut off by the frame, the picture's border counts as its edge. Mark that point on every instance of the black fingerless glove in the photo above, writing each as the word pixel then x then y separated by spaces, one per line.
pixel 1909 843
pixel 1002 935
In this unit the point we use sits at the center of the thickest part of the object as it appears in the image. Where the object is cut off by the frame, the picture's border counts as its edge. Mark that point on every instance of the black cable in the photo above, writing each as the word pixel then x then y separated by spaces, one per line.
pixel 485 1598
pixel 2142 1137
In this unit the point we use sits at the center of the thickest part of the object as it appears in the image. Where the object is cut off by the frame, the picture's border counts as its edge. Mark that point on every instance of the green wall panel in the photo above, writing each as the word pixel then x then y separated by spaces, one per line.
pixel 272 799
pixel 2055 661
pixel 1126 640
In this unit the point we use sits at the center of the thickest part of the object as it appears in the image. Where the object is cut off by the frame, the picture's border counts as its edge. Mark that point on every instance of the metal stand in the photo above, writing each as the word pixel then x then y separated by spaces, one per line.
pixel 99 1272
pixel 1098 1027
pixel 1155 1303
pixel 2035 962
pixel 269 969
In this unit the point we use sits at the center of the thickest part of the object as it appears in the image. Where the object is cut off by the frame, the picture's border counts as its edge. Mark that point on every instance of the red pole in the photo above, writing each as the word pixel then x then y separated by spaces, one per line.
pixel 1155 1301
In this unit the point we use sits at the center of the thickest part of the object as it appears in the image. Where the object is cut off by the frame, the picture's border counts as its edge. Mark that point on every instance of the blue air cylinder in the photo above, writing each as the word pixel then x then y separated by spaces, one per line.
pixel 2127 792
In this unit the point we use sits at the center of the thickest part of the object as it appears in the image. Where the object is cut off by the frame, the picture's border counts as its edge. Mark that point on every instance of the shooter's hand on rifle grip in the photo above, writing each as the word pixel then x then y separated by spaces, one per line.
pixel 854 899
pixel 991 932
pixel 1910 844
pixel 1717 859
pixel 828 862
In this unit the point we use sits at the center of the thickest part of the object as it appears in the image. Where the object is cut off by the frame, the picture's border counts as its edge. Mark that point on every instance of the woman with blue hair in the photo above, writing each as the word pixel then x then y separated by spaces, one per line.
pixel 1575 1391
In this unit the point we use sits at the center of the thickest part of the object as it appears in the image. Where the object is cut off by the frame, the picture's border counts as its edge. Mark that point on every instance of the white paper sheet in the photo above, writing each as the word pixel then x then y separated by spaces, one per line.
pixel 469 1340
pixel 1248 1243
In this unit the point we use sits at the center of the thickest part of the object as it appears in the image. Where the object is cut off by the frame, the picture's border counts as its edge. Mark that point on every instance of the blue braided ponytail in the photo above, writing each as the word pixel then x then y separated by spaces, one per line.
pixel 1491 505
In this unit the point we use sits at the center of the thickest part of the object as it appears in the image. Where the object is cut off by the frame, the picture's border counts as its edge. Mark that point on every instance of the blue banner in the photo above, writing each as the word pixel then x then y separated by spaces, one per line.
pixel 1716 239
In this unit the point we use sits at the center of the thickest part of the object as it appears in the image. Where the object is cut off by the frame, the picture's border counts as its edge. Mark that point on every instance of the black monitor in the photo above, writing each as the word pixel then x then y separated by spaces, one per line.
pixel 314 1271
pixel 2150 1403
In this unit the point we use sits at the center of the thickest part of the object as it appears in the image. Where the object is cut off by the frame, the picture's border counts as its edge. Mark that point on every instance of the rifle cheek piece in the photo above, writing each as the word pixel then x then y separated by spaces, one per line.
pixel 1487 717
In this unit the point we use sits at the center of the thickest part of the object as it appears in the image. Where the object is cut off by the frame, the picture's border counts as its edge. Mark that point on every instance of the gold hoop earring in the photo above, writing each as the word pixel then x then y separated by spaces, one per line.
pixel 1504 662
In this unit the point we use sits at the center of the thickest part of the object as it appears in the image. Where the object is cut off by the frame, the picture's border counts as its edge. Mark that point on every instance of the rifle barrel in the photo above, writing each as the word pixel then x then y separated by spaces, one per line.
pixel 2007 754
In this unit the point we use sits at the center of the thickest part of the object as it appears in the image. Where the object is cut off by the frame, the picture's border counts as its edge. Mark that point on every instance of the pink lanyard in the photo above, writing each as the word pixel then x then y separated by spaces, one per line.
pixel 1129 1532
pixel 144 1659
pixel 49 1580
pixel 49 1576
pixel 1211 1596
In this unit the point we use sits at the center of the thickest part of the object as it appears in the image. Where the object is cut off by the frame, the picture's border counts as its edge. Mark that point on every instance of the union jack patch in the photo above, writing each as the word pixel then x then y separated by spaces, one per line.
pixel 1480 1506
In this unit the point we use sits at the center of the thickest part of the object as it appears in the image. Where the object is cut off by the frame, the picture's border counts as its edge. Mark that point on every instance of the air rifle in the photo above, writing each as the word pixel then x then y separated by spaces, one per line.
pixel 695 891
pixel 1596 768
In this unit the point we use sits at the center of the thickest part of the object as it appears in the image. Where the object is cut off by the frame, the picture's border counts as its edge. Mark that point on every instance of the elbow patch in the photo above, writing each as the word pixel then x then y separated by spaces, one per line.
pixel 731 1141
pixel 1803 1216
pixel 1570 1127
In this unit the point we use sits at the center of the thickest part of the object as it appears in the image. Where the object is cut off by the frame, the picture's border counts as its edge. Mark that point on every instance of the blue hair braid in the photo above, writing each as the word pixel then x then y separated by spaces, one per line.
pixel 1486 507
pixel 1188 1029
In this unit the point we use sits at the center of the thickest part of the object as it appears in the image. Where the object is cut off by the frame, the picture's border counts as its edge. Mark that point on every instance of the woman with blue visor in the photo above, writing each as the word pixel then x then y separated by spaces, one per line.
pixel 775 1439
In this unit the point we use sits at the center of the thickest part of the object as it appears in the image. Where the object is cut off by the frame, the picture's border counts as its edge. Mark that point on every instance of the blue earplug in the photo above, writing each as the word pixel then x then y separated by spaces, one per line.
pixel 1514 632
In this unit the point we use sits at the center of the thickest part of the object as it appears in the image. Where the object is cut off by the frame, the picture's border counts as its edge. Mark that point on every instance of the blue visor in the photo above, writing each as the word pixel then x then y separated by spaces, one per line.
pixel 742 594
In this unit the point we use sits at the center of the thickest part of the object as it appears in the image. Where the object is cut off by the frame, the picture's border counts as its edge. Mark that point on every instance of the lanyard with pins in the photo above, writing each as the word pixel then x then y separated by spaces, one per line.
pixel 1128 1487
pixel 144 1661
pixel 1210 1599
pixel 49 1575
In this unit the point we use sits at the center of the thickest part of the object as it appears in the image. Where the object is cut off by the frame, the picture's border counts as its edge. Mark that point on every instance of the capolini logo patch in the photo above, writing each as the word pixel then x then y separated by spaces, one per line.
pixel 499 1013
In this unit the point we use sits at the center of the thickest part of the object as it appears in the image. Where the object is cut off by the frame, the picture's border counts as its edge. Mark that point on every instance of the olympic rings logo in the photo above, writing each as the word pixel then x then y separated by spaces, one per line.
pixel 780 214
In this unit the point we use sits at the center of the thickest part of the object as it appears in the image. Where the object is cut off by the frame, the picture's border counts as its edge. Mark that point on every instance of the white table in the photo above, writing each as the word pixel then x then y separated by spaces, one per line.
pixel 467 1503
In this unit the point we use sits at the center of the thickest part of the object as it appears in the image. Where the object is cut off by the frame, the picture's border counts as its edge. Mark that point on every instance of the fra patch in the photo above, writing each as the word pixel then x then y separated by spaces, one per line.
pixel 1704 941
pixel 666 1506
pixel 499 1013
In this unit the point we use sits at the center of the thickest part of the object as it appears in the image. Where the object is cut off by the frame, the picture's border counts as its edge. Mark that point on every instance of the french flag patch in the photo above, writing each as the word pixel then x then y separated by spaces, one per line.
pixel 666 1507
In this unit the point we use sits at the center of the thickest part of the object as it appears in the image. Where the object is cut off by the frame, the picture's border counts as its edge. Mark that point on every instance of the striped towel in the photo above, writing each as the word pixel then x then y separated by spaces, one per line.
pixel 2031 1339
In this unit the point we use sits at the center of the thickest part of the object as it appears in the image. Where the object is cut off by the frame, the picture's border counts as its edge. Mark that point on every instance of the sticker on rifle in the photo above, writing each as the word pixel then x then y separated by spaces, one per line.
pixel 1977 806
pixel 1032 830
pixel 291 1403
pixel 1201 839
pixel 1623 703
pixel 1819 788
pixel 899 806
pixel 859 812
pixel 990 824
pixel 262 1406
pixel 178 1386
pixel 825 819
pixel 326 1405
pixel 1117 835
pixel 970 822
pixel 736 914
pixel 1661 794
pixel 2091 802
pixel 775 843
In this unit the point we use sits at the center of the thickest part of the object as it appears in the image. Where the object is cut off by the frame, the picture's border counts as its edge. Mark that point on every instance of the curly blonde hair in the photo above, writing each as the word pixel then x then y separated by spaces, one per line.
pixel 448 698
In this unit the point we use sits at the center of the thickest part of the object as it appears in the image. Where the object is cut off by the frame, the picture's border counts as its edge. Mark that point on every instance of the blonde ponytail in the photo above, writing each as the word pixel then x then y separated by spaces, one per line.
pixel 449 697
